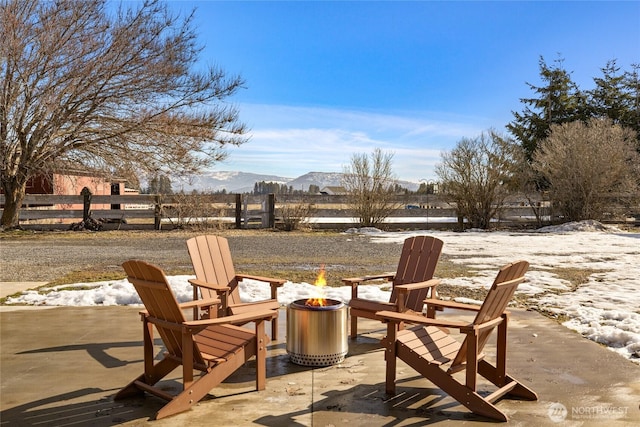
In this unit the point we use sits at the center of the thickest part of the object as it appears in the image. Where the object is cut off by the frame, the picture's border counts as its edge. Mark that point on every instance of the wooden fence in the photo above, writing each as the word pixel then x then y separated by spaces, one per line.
pixel 237 211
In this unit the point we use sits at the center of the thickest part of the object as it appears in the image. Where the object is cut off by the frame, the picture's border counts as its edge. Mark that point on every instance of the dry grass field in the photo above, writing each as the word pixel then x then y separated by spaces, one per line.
pixel 64 257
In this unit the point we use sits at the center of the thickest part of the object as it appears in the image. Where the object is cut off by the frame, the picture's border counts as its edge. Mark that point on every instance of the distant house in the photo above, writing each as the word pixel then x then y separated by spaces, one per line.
pixel 72 183
pixel 333 191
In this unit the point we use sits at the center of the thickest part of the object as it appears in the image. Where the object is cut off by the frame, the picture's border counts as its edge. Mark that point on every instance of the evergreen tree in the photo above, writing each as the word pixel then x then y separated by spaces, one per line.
pixel 558 101
pixel 610 97
pixel 165 185
pixel 631 117
pixel 152 188
pixel 159 184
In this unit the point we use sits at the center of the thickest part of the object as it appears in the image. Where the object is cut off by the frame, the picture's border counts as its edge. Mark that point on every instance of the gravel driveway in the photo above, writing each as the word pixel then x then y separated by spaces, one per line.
pixel 46 256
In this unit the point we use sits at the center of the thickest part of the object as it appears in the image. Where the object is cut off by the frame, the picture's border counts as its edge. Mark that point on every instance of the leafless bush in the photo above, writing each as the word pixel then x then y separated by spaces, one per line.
pixel 478 174
pixel 194 211
pixel 294 215
pixel 370 184
pixel 590 168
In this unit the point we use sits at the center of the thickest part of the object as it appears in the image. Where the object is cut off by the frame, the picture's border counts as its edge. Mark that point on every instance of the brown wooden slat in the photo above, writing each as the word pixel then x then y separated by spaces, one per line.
pixel 495 303
pixel 223 336
pixel 430 343
pixel 217 350
pixel 153 390
pixel 212 263
pixel 160 302
pixel 418 260
pixel 426 349
pixel 417 267
pixel 501 391
pixel 371 306
pixel 255 306
pixel 416 299
pixel 417 263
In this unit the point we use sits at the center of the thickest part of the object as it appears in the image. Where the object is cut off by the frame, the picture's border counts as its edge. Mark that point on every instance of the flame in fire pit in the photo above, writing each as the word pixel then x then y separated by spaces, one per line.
pixel 320 283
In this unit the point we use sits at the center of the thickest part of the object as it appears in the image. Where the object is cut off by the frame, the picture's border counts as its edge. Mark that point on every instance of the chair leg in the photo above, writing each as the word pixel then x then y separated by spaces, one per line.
pixel 492 374
pixel 198 389
pixel 261 354
pixel 390 357
pixel 354 327
pixel 498 374
pixel 476 404
pixel 447 383
pixel 465 396
pixel 159 371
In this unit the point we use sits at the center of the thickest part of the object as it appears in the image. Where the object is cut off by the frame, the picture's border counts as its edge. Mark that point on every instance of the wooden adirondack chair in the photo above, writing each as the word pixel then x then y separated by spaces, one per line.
pixel 216 277
pixel 411 282
pixel 213 346
pixel 429 348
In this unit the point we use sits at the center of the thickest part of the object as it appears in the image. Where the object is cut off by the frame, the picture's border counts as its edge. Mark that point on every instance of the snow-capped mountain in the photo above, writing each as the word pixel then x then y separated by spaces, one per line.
pixel 321 179
pixel 243 182
pixel 231 181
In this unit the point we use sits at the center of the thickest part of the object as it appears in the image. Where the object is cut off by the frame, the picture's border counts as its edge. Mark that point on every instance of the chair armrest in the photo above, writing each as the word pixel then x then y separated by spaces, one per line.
pixel 200 303
pixel 418 285
pixel 270 280
pixel 243 307
pixel 213 286
pixel 235 319
pixel 392 316
pixel 451 304
pixel 355 281
pixel 359 304
pixel 475 329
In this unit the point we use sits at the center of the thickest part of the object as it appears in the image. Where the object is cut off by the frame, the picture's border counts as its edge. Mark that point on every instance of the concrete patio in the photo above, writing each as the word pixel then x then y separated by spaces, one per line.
pixel 62 366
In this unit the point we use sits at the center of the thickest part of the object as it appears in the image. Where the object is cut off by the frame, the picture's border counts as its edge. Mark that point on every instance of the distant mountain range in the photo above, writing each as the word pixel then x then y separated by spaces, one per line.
pixel 243 182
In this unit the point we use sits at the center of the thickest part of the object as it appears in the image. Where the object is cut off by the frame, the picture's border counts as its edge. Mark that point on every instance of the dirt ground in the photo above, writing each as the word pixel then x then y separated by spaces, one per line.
pixel 49 256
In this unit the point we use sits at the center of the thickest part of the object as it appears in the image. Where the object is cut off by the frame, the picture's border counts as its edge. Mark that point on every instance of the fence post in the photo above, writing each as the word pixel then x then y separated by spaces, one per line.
pixel 86 203
pixel 245 213
pixel 268 211
pixel 271 210
pixel 157 213
pixel 238 211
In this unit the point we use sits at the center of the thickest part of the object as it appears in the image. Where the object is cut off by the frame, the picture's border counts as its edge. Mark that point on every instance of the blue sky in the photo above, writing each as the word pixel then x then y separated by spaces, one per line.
pixel 328 79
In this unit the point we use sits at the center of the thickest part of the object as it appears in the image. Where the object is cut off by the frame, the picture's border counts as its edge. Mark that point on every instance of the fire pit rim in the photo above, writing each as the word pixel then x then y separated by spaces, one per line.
pixel 333 304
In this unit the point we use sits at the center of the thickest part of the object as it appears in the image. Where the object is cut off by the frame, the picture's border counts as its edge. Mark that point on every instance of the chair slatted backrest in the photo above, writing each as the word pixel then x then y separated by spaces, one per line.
pixel 212 263
pixel 494 305
pixel 418 261
pixel 160 302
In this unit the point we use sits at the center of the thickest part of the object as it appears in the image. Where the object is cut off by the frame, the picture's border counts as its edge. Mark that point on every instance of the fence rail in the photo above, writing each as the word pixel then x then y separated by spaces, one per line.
pixel 237 210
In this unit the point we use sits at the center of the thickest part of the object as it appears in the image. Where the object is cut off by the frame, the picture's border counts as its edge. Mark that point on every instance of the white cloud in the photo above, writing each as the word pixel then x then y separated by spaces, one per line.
pixel 290 141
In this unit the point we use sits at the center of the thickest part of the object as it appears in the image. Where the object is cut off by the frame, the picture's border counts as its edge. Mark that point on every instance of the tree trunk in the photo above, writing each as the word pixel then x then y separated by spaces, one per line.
pixel 14 191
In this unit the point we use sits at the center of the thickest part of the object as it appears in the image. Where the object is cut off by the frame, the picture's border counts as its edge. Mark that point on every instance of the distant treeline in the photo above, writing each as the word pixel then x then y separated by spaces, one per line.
pixel 161 184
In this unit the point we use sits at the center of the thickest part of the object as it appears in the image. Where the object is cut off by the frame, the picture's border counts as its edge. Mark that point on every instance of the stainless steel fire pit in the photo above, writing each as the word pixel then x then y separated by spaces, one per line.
pixel 317 335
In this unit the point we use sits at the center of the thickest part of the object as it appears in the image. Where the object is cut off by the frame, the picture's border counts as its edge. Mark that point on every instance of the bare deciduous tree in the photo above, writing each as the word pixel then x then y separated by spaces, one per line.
pixel 370 183
pixel 589 167
pixel 528 183
pixel 116 92
pixel 478 174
